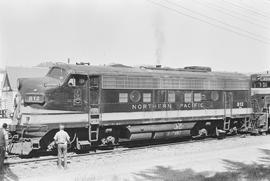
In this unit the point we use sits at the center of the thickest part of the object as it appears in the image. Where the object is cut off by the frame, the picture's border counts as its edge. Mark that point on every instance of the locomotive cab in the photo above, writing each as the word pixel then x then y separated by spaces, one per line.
pixel 70 95
pixel 58 90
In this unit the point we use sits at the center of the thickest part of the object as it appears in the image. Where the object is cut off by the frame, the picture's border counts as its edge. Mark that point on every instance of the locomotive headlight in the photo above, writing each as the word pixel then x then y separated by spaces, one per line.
pixel 34 98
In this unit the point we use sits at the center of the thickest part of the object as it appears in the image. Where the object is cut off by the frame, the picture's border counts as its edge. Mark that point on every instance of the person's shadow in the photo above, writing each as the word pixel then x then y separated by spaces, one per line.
pixel 8 175
pixel 235 171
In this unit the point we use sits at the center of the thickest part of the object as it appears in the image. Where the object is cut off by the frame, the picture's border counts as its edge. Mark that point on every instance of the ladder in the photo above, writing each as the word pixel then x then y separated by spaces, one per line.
pixel 93 132
pixel 227 122
pixel 94 118
pixel 247 124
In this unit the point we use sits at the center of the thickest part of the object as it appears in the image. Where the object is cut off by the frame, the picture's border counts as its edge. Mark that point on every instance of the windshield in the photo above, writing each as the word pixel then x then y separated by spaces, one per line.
pixel 57 73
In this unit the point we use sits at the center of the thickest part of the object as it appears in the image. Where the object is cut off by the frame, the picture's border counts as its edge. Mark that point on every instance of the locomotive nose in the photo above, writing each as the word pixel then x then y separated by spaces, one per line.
pixel 29 84
pixel 33 89
pixel 36 84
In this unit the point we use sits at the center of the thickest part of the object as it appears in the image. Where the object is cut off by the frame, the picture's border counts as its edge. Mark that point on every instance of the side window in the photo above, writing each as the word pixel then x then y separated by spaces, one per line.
pixel 123 97
pixel 77 80
pixel 188 97
pixel 146 97
pixel 81 81
pixel 197 97
pixel 72 82
pixel 171 96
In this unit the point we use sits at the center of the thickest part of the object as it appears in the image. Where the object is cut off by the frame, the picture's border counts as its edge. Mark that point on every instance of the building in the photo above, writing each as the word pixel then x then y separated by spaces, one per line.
pixel 9 83
pixel 2 74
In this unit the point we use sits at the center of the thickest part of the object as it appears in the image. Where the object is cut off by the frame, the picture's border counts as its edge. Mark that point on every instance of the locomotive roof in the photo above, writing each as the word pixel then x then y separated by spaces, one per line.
pixel 108 70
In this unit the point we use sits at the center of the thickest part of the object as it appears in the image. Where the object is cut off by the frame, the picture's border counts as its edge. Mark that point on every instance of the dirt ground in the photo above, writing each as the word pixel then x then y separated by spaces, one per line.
pixel 229 159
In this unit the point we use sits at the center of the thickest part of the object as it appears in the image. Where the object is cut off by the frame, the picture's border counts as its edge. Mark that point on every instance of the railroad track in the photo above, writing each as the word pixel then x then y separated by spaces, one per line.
pixel 15 160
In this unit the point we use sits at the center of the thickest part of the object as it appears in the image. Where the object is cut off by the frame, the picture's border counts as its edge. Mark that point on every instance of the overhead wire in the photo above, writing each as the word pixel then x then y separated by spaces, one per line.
pixel 247 9
pixel 243 3
pixel 225 26
pixel 242 13
pixel 215 19
pixel 253 7
pixel 230 13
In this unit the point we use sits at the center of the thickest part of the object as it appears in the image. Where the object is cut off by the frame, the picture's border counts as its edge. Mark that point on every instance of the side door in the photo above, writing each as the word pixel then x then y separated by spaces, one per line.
pixel 94 116
pixel 228 106
pixel 228 103
pixel 94 87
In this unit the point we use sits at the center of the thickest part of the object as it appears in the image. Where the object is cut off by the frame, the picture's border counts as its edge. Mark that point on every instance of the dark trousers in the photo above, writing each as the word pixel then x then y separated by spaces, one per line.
pixel 2 157
pixel 62 151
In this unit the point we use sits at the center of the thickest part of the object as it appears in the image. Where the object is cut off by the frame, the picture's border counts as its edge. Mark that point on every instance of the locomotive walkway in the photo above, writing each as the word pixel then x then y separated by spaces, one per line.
pixel 229 159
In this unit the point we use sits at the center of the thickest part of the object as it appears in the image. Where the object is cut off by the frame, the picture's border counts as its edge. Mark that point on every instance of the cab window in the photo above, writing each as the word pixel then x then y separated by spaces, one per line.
pixel 77 80
pixel 57 73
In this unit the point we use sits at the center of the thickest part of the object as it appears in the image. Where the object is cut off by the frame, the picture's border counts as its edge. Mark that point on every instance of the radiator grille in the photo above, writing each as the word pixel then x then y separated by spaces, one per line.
pixel 142 82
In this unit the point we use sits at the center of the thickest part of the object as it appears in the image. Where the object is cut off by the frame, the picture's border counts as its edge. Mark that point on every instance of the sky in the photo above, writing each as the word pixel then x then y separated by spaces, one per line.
pixel 226 35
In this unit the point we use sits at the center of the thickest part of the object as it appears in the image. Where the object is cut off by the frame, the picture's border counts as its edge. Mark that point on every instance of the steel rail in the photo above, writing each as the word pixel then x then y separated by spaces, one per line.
pixel 113 151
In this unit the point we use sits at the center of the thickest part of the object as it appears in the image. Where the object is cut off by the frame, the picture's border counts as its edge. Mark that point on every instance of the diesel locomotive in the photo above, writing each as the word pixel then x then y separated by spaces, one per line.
pixel 105 105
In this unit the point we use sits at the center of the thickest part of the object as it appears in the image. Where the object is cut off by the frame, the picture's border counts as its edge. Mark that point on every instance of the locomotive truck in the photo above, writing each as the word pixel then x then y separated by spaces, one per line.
pixel 105 105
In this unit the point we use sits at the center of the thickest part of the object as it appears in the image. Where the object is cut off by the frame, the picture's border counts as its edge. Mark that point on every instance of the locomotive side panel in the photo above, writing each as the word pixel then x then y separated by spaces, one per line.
pixel 176 105
pixel 182 105
pixel 166 100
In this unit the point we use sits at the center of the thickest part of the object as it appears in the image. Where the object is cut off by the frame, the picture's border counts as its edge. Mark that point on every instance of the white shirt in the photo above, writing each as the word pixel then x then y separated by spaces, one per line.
pixel 61 137
pixel 6 136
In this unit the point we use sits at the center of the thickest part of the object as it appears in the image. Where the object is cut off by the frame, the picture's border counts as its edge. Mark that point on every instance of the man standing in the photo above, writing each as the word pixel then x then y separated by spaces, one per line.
pixel 6 135
pixel 3 144
pixel 61 138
